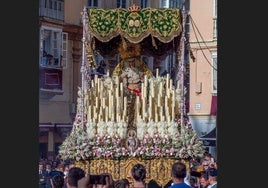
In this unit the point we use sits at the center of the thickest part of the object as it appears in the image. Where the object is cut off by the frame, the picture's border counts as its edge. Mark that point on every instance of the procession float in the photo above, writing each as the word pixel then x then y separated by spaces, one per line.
pixel 132 114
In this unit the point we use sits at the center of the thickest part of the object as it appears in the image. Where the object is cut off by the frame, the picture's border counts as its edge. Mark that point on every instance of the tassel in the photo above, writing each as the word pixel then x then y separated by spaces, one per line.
pixel 153 42
pixel 124 43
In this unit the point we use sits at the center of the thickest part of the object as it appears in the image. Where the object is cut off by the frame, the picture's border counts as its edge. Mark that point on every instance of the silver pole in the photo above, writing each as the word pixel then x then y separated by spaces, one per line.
pixel 182 69
pixel 83 65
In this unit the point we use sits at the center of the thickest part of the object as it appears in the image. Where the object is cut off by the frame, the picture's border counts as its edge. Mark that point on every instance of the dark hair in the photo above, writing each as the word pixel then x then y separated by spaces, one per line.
pixel 212 172
pixel 55 173
pixel 178 170
pixel 138 172
pixel 58 181
pixel 204 175
pixel 208 155
pixel 121 183
pixel 75 174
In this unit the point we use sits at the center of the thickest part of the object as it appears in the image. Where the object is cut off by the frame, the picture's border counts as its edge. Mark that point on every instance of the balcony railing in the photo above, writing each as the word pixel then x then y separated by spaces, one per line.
pixel 52 9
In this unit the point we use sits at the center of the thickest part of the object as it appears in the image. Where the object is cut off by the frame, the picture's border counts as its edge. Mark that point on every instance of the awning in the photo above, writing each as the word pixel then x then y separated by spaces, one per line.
pixel 210 138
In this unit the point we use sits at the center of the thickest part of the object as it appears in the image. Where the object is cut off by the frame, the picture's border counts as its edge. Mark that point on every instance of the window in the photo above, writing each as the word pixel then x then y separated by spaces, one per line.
pixel 52 58
pixel 53 47
pixel 93 3
pixel 176 3
pixel 215 12
pixel 143 3
pixel 122 4
pixel 171 3
pixel 165 4
pixel 214 72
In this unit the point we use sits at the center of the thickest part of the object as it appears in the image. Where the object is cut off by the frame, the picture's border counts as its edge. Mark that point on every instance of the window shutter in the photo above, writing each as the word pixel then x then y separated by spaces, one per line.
pixel 64 50
pixel 41 48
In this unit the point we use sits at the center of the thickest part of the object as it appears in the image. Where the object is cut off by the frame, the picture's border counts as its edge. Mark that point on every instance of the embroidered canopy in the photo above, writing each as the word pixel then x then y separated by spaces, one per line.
pixel 134 24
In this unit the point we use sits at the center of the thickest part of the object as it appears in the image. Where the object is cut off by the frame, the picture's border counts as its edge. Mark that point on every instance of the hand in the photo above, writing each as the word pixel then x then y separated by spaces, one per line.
pixel 84 182
pixel 108 180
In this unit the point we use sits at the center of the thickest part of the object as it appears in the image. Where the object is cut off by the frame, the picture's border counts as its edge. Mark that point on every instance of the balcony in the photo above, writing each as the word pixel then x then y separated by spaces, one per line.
pixel 50 82
pixel 53 9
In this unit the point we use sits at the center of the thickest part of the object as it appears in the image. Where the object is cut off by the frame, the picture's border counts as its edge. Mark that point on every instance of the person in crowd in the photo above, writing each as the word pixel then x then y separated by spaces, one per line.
pixel 66 169
pixel 208 162
pixel 86 182
pixel 212 178
pixel 138 174
pixel 121 183
pixel 187 178
pixel 71 164
pixel 203 180
pixel 42 176
pixel 74 174
pixel 193 182
pixel 48 167
pixel 153 184
pixel 54 165
pixel 48 170
pixel 56 179
pixel 178 173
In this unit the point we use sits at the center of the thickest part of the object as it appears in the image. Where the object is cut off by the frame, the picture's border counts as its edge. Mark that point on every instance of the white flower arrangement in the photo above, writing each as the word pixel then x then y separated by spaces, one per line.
pixel 184 145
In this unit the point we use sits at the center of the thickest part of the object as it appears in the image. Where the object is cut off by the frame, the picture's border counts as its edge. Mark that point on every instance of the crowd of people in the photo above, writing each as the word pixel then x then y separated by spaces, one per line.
pixel 64 174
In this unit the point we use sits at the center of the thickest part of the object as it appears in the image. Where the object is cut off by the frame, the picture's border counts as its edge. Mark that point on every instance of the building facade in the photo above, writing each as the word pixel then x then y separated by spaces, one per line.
pixel 59 70
pixel 203 70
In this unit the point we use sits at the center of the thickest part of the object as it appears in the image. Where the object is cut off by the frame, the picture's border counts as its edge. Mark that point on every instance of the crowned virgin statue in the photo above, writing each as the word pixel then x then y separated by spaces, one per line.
pixel 131 68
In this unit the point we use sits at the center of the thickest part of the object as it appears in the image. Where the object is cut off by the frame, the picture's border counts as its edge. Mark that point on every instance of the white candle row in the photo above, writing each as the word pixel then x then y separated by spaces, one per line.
pixel 157 107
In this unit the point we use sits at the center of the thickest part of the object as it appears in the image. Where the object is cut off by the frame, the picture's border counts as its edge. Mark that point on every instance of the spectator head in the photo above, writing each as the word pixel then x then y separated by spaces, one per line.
pixel 121 183
pixel 138 172
pixel 212 175
pixel 204 179
pixel 178 171
pixel 207 157
pixel 75 174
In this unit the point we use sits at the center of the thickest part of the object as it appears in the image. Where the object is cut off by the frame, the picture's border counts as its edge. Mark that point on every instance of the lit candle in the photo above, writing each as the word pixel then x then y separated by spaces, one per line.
pixel 173 105
pixel 158 100
pixel 167 79
pixel 110 103
pixel 97 102
pixel 121 88
pixel 89 114
pixel 106 114
pixel 160 88
pixel 152 89
pixel 143 106
pixel 125 103
pixel 166 103
pixel 150 101
pixel 98 84
pixel 137 105
pixel 117 81
pixel 95 114
pixel 146 80
pixel 156 115
pixel 101 89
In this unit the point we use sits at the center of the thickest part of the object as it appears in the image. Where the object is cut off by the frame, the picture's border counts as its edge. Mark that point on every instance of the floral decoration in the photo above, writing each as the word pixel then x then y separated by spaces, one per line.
pixel 184 145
